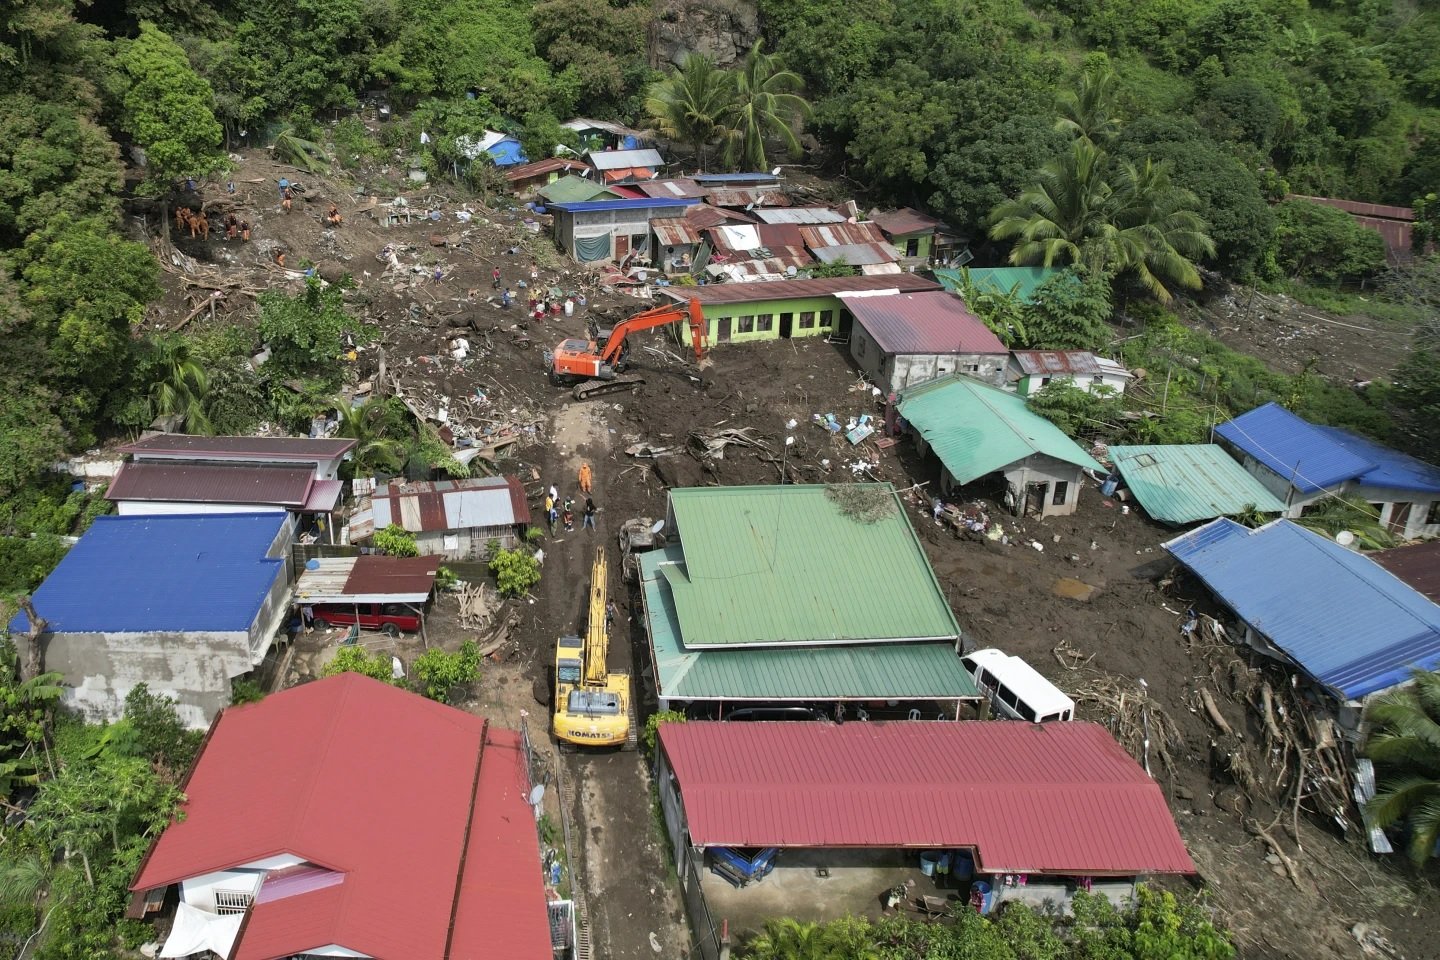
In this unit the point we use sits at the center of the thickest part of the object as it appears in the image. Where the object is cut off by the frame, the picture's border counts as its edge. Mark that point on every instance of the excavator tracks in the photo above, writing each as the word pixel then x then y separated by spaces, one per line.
pixel 591 389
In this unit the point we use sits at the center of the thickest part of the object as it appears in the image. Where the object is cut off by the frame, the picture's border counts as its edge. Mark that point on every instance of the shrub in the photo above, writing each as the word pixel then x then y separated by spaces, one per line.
pixel 376 666
pixel 437 672
pixel 1320 243
pixel 515 572
pixel 651 736
pixel 396 541
pixel 244 691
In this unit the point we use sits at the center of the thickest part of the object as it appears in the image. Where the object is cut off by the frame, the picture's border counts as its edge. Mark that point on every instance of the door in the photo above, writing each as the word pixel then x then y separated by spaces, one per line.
pixel 786 321
pixel 722 333
pixel 1399 517
pixel 622 246
pixel 846 320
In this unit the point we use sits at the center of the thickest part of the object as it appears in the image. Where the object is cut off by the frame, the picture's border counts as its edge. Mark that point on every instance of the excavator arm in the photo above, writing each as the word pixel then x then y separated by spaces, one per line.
pixel 658 317
pixel 597 638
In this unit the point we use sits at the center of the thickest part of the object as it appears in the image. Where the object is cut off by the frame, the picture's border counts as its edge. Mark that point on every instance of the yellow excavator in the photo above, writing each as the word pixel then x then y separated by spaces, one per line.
pixel 592 706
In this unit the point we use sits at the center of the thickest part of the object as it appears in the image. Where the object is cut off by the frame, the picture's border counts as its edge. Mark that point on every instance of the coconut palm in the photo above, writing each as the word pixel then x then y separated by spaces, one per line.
pixel 368 426
pixel 1087 111
pixel 1404 742
pixel 180 385
pixel 790 939
pixel 1158 235
pixel 1063 217
pixel 690 105
pixel 766 103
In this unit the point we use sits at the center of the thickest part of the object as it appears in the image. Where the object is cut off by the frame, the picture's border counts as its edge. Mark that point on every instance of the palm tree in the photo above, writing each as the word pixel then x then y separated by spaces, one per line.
pixel 367 426
pixel 1086 112
pixel 766 103
pixel 1404 742
pixel 690 104
pixel 180 385
pixel 790 939
pixel 1158 233
pixel 1063 217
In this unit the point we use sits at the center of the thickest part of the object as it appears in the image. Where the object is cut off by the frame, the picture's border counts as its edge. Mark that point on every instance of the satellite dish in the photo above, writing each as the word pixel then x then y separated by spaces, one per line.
pixel 657 526
pixel 1345 538
pixel 537 793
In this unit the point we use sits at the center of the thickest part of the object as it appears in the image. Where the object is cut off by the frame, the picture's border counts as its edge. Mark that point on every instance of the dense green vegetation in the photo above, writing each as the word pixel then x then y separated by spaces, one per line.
pixel 1157 926
pixel 1404 742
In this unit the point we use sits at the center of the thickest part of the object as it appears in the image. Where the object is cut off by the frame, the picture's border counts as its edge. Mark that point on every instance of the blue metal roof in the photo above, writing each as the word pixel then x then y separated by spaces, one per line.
pixel 598 206
pixel 160 573
pixel 1392 468
pixel 1344 619
pixel 1297 450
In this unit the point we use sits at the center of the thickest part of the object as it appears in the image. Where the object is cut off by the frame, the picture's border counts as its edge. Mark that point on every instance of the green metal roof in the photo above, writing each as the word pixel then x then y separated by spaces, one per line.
pixel 573 189
pixel 1023 280
pixel 778 566
pixel 877 671
pixel 977 429
pixel 1190 482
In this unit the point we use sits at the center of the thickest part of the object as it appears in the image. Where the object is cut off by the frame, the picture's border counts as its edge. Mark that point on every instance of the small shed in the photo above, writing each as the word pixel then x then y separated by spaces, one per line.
pixel 1030 371
pixel 573 189
pixel 907 338
pixel 611 229
pixel 675 241
pixel 526 178
pixel 1185 483
pixel 504 150
pixel 369 578
pixel 910 232
pixel 626 166
pixel 977 430
pixel 455 519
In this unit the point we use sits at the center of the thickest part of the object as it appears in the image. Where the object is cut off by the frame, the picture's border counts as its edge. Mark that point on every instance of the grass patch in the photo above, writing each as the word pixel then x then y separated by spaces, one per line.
pixel 1349 303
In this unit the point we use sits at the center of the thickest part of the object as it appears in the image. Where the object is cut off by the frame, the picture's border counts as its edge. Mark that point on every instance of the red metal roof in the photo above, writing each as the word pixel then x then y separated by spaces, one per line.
pixel 750 196
pixel 1360 208
pixel 674 231
pixel 905 220
pixel 1418 565
pixel 672 188
pixel 324 495
pixel 178 481
pixel 246 448
pixel 1056 361
pixel 841 234
pixel 702 216
pixel 549 165
pixel 929 322
pixel 792 289
pixel 377 574
pixel 1059 798
pixel 359 777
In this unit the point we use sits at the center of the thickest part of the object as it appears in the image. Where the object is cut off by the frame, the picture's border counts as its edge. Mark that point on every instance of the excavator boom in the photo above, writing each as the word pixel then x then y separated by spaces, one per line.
pixel 592 705
pixel 597 637
pixel 658 317
pixel 597 366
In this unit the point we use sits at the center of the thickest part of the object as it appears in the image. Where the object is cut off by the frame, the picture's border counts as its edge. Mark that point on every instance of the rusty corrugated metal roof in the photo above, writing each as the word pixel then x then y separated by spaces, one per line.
pixel 755 196
pixel 428 506
pixel 671 188
pixel 841 234
pixel 674 232
pixel 249 448
pixel 857 254
pixel 1058 798
pixel 1418 565
pixel 905 220
pixel 793 289
pixel 933 322
pixel 1056 361
pixel 180 482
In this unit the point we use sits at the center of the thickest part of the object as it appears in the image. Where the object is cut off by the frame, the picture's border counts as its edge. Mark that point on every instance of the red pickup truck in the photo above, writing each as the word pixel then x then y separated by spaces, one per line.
pixel 391 618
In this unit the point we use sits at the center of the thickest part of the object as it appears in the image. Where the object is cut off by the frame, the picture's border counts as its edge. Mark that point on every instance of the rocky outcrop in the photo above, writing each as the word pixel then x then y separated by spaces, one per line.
pixel 722 29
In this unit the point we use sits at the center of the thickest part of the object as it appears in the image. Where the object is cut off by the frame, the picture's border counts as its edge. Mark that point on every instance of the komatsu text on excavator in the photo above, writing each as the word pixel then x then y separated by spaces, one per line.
pixel 593 706
pixel 597 365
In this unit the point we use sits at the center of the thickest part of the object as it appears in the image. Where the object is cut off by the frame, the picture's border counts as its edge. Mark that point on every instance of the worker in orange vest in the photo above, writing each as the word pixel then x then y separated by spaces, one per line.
pixel 586 477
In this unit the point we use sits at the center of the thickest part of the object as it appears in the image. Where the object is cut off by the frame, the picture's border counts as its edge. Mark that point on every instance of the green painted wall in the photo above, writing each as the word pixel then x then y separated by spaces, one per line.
pixel 816 305
pixel 901 242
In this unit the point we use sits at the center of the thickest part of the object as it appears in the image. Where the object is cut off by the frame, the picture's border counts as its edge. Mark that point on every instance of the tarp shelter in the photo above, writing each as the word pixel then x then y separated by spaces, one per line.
pixel 195 931
pixel 367 579
pixel 1342 618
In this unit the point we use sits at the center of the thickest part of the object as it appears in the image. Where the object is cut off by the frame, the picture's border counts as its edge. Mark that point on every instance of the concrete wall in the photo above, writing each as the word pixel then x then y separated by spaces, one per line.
pixel 199 892
pixel 633 222
pixel 1028 386
pixel 466 544
pixel 1019 476
pixel 1392 508
pixel 896 371
pixel 100 669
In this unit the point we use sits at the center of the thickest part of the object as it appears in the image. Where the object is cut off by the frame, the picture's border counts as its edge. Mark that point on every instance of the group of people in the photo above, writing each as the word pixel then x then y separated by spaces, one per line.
pixel 558 513
pixel 199 224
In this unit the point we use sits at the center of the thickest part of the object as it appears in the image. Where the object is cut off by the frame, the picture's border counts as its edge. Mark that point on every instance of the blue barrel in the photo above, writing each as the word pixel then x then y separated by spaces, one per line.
pixel 1110 485
pixel 927 863
pixel 963 865
pixel 981 897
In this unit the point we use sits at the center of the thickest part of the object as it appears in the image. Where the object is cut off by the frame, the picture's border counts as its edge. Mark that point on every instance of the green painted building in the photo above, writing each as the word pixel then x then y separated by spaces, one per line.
pixel 780 309
pixel 910 232
pixel 783 595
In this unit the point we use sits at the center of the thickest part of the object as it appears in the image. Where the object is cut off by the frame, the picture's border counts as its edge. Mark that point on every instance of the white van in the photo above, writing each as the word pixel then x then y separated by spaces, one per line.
pixel 1016 689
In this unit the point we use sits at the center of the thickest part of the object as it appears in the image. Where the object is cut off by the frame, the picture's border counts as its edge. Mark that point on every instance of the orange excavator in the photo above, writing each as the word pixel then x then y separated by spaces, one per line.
pixel 597 365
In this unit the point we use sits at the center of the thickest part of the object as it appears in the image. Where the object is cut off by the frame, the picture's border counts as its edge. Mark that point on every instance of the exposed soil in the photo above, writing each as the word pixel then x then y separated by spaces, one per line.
pixel 1003 595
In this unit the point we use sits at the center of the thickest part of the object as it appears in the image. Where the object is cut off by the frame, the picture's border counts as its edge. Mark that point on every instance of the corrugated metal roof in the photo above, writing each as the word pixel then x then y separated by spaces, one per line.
pixel 1392 468
pixel 934 322
pixel 671 187
pixel 367 579
pixel 573 189
pixel 799 215
pixel 1347 621
pixel 428 506
pixel 217 448
pixel 673 231
pixel 904 221
pixel 856 254
pixel 609 126
pixel 1293 448
pixel 621 159
pixel 843 234
pixel 784 565
pixel 976 429
pixel 642 203
pixel 1045 362
pixel 880 671
pixel 258 790
pixel 541 167
pixel 1059 798
pixel 163 573
pixel 1417 565
pixel 1023 281
pixel 702 216
pixel 324 496
pixel 755 178
pixel 743 197
pixel 184 482
pixel 799 289
pixel 1190 482
pixel 1361 208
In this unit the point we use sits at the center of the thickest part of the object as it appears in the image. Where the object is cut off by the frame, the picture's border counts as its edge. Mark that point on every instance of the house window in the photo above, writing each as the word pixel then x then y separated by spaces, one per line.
pixel 1434 515
pixel 1097 379
pixel 1044 381
pixel 807 319
pixel 826 316
pixel 765 322
pixel 860 344
pixel 1062 490
pixel 231 902
pixel 973 368
pixel 745 324
pixel 912 247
